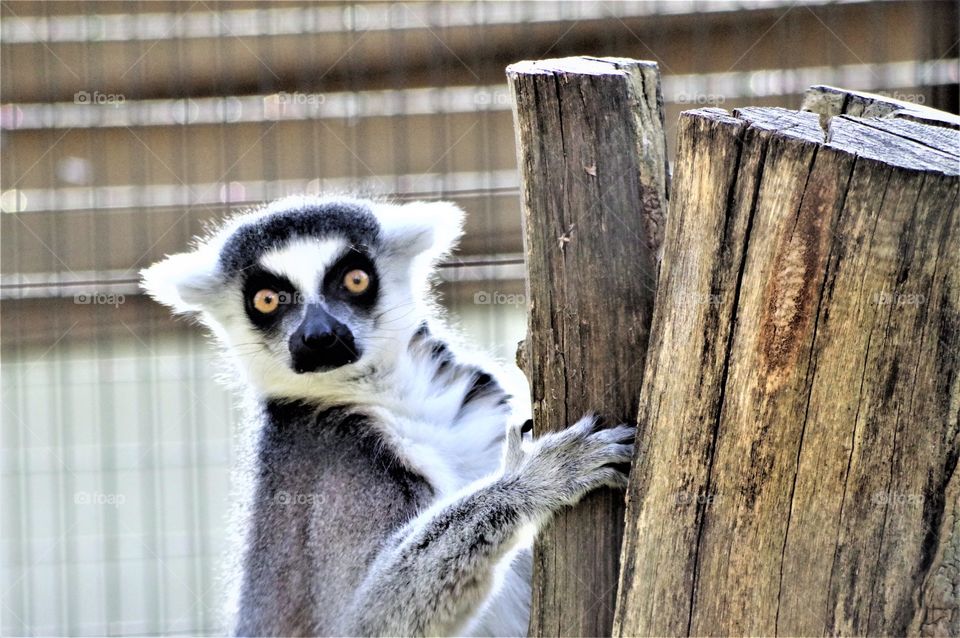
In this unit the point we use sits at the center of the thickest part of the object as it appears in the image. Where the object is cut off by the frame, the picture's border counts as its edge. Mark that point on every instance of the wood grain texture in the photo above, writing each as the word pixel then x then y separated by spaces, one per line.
pixel 829 101
pixel 591 151
pixel 797 468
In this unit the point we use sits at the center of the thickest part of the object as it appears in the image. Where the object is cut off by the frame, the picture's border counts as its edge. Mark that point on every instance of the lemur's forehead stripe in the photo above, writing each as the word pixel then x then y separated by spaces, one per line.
pixel 352 221
pixel 303 261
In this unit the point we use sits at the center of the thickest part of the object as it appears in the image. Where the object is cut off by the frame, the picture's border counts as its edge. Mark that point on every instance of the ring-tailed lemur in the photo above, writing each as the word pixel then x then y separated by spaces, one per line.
pixel 391 487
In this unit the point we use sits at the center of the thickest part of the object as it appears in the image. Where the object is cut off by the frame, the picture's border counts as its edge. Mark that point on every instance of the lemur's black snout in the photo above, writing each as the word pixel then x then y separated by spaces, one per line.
pixel 322 342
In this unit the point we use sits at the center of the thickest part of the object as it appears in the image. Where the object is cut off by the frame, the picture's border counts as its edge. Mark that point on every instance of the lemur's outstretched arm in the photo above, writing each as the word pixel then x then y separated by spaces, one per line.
pixel 433 571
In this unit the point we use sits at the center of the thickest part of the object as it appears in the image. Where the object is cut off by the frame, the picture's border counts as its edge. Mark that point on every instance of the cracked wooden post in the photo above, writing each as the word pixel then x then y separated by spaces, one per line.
pixel 800 405
pixel 828 101
pixel 592 157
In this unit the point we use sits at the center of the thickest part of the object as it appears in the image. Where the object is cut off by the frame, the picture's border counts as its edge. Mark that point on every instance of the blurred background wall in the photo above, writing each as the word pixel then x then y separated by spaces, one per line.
pixel 126 127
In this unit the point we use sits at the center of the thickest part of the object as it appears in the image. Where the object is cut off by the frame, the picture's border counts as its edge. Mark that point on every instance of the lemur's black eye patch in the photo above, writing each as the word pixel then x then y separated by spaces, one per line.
pixel 266 297
pixel 353 279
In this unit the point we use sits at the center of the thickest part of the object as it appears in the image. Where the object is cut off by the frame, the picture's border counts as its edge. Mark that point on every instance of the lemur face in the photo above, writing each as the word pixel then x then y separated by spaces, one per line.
pixel 311 290
pixel 312 300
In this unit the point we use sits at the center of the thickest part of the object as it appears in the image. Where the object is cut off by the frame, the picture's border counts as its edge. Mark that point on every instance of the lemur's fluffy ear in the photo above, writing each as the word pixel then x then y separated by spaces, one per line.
pixel 422 228
pixel 184 281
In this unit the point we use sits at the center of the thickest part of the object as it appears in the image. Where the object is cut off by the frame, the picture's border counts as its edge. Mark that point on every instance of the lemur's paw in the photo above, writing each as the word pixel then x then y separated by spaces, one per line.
pixel 563 466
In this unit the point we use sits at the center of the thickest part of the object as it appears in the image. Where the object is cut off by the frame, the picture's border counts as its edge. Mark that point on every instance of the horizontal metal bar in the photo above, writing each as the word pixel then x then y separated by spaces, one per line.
pixel 460 185
pixel 90 111
pixel 320 19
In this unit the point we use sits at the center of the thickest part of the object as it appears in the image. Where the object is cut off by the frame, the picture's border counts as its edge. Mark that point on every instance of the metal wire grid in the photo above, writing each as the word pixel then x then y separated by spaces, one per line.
pixel 117 444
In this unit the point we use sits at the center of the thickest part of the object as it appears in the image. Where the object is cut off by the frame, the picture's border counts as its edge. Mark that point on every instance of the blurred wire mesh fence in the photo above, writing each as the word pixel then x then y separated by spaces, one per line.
pixel 126 128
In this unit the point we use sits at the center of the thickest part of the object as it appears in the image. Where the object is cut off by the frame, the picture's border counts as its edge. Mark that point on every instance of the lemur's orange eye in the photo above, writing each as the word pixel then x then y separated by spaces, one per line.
pixel 356 281
pixel 266 300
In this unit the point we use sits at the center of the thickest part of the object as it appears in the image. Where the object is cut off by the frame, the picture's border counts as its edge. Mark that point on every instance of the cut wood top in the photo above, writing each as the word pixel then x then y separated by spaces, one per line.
pixel 897 142
pixel 580 65
pixel 867 137
pixel 831 101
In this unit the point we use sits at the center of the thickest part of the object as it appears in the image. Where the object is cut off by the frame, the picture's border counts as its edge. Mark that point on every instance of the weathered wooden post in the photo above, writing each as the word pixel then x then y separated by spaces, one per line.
pixel 799 410
pixel 828 101
pixel 591 151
